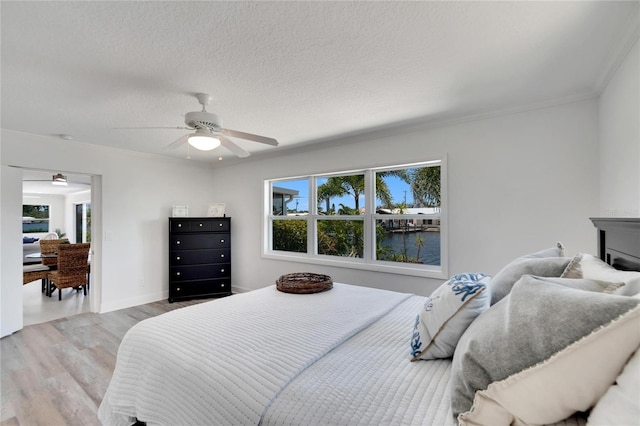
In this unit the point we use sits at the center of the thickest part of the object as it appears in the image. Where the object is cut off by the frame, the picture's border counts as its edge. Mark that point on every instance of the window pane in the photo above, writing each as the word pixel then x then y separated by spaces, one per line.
pixel 341 238
pixel 88 239
pixel 35 219
pixel 408 240
pixel 289 235
pixel 290 197
pixel 342 195
pixel 408 191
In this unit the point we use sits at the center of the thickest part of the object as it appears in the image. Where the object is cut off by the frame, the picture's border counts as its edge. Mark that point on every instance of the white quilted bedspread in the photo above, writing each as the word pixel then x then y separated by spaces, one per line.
pixel 222 362
pixel 370 381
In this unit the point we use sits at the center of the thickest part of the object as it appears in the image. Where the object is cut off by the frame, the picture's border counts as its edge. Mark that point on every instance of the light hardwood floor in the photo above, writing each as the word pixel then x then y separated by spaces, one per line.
pixel 56 372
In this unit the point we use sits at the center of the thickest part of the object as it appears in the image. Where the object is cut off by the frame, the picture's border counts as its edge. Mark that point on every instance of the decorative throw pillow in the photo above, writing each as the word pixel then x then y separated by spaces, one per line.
pixel 446 315
pixel 619 405
pixel 584 265
pixel 572 380
pixel 545 263
pixel 586 284
pixel 535 321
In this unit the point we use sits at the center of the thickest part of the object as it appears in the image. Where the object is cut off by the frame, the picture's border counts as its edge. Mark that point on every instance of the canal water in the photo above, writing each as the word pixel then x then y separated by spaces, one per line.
pixel 429 252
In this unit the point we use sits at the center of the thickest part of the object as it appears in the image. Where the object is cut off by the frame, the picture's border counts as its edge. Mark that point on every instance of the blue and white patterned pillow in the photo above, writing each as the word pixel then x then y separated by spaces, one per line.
pixel 447 313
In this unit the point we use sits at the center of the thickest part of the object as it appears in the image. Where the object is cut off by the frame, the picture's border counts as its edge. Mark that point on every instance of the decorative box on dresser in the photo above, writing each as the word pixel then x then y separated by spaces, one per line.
pixel 199 257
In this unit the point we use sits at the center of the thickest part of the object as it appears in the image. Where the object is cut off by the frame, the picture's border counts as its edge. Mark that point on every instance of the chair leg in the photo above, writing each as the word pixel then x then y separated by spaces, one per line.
pixel 59 294
pixel 84 287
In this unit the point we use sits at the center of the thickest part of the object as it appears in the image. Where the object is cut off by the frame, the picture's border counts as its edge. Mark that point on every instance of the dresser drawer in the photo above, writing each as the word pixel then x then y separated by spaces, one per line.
pixel 200 288
pixel 179 225
pixel 199 272
pixel 209 225
pixel 195 257
pixel 199 241
pixel 200 225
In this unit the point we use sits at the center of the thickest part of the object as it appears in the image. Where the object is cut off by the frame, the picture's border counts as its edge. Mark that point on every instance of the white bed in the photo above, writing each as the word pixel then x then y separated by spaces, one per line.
pixel 339 357
pixel 226 361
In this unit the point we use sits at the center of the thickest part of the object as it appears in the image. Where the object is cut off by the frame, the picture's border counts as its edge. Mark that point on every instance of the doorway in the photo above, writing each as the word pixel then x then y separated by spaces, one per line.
pixel 69 216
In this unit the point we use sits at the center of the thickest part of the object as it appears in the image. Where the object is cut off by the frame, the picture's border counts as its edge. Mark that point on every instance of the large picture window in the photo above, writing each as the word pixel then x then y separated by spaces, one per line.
pixel 388 217
pixel 35 218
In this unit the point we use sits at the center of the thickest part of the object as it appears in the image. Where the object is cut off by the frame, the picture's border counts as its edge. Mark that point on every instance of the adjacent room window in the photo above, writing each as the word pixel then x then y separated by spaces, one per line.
pixel 388 217
pixel 35 218
pixel 83 222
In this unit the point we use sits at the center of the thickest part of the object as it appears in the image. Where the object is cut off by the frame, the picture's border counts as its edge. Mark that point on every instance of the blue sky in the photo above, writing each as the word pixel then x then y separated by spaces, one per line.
pixel 396 185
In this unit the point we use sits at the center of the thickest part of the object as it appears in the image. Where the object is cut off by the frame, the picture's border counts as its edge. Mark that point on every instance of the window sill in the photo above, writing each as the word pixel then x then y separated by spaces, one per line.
pixel 384 267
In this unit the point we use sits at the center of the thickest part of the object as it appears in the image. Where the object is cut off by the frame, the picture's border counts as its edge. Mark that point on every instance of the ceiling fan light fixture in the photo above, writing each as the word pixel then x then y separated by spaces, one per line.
pixel 203 141
pixel 59 179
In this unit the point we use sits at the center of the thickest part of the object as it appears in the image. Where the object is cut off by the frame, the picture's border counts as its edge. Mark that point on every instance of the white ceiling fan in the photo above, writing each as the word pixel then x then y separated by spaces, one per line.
pixel 208 131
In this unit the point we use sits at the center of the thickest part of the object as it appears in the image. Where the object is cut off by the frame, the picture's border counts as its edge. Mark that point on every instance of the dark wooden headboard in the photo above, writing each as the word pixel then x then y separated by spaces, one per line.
pixel 619 241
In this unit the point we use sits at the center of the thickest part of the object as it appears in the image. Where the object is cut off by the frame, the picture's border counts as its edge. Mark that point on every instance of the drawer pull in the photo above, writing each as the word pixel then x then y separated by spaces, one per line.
pixel 178 242
pixel 178 273
pixel 200 225
pixel 221 270
pixel 222 241
pixel 177 288
pixel 179 225
pixel 177 257
pixel 222 285
pixel 219 224
pixel 222 255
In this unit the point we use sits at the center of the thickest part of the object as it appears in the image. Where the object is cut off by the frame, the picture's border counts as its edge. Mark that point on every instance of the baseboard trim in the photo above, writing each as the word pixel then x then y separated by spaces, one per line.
pixel 133 301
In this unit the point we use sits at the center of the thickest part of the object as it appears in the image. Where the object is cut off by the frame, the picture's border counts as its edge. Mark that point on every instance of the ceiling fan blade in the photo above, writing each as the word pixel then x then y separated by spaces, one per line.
pixel 233 147
pixel 175 144
pixel 249 136
pixel 151 128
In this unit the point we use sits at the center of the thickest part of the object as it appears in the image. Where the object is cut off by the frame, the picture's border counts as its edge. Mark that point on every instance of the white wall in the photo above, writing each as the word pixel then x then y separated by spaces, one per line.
pixel 517 183
pixel 137 194
pixel 619 139
pixel 11 250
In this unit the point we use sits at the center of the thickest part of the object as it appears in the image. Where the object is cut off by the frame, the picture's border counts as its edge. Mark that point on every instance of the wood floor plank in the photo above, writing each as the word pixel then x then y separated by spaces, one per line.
pixel 33 405
pixel 56 373
pixel 71 401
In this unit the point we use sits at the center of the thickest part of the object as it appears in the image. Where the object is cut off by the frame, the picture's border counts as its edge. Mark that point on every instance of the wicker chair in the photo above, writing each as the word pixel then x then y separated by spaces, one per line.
pixel 73 261
pixel 48 247
pixel 35 272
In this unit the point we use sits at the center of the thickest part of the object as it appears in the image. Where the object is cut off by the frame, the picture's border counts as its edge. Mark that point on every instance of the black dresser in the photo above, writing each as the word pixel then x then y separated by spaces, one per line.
pixel 199 257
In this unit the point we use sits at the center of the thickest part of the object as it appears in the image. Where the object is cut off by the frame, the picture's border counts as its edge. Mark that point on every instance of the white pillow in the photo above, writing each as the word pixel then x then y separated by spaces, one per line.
pixel 620 404
pixel 584 265
pixel 447 313
pixel 573 379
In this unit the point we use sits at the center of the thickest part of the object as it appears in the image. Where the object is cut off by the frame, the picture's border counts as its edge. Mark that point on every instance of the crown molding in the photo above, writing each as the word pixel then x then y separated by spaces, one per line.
pixel 629 36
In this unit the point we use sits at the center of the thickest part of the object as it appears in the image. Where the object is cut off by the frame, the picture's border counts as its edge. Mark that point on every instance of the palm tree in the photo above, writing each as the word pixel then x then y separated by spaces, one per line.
pixel 339 186
pixel 419 244
pixel 425 186
pixel 382 189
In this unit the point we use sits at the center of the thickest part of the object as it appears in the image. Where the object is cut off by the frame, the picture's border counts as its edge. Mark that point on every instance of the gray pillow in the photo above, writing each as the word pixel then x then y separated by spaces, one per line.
pixel 536 320
pixel 545 263
pixel 585 284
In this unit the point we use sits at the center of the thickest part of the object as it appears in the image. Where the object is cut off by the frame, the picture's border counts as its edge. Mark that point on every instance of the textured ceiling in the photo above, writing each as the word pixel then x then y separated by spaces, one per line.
pixel 300 72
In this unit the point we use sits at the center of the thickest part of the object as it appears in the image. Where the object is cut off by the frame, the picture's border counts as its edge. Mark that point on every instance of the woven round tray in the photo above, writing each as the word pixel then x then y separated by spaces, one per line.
pixel 304 283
